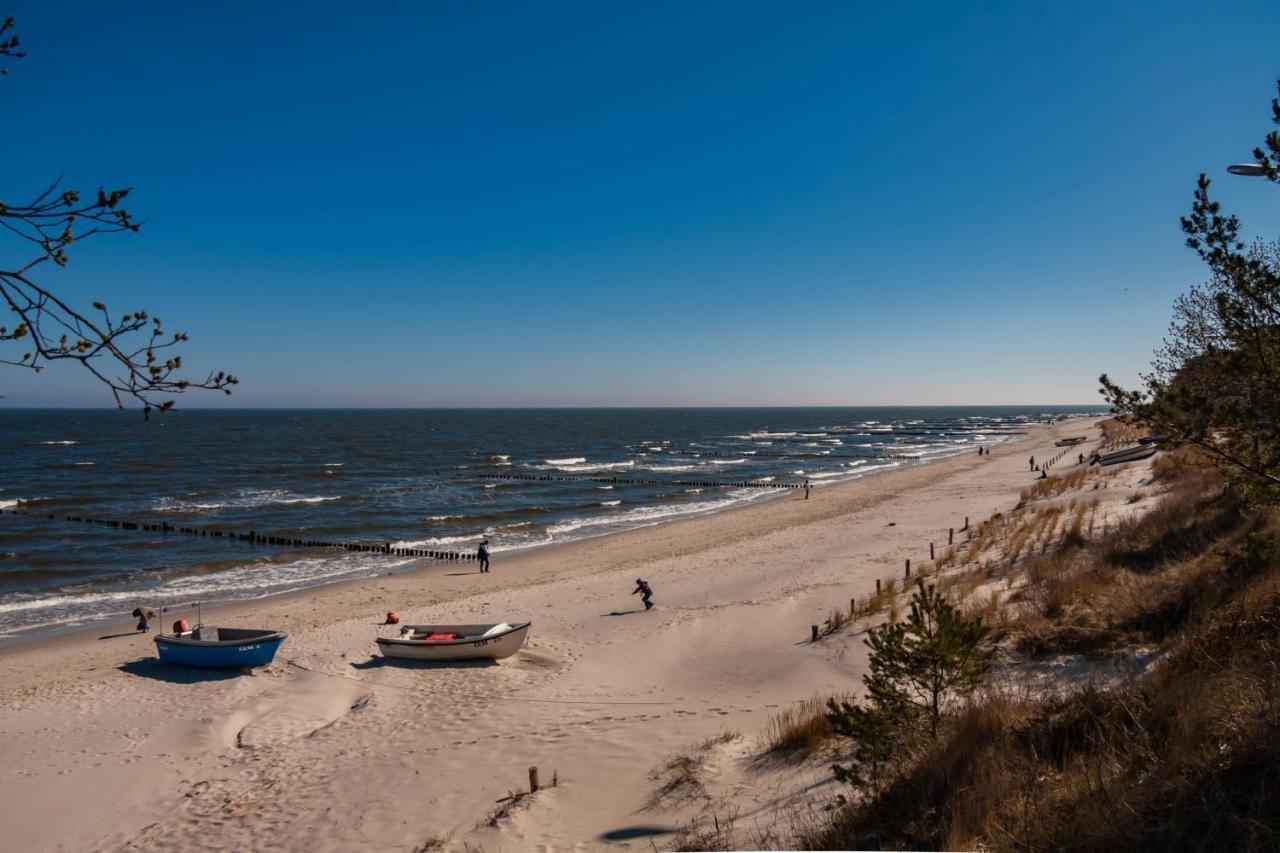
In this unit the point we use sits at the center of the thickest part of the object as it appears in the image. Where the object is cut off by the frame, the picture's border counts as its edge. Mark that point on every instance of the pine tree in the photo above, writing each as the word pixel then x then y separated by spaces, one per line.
pixel 915 667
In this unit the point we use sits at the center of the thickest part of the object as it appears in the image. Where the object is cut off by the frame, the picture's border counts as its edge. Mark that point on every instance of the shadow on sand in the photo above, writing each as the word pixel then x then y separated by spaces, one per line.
pixel 627 833
pixel 623 612
pixel 175 673
pixel 122 634
pixel 401 663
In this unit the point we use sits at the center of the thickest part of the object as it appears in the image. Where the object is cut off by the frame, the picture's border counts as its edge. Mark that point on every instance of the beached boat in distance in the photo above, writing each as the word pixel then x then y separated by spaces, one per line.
pixel 1128 454
pixel 220 648
pixel 455 642
pixel 1070 442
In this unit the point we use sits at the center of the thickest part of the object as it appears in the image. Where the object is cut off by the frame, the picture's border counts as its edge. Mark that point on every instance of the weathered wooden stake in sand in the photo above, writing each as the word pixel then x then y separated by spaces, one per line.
pixel 930 550
pixel 533 780
pixel 877 586
pixel 951 536
pixel 908 570
pixel 814 629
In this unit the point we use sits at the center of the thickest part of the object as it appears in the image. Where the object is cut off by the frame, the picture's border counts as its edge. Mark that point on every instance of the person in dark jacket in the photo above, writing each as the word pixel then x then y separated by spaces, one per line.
pixel 482 554
pixel 646 593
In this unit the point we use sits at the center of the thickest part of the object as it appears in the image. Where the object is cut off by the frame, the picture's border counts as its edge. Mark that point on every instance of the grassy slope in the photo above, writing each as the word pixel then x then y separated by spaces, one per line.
pixel 1186 757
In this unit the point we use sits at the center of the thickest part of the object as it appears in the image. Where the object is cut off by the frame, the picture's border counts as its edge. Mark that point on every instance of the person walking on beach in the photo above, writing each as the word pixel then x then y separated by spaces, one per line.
pixel 1081 458
pixel 1031 463
pixel 806 490
pixel 646 593
pixel 482 554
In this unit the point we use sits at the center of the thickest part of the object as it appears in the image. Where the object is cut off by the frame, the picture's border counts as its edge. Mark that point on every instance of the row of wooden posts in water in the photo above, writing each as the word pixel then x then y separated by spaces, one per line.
pixel 253 537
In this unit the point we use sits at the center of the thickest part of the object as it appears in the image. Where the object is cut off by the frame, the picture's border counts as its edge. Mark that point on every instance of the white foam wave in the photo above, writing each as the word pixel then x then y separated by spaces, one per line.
pixel 671 467
pixel 725 461
pixel 593 467
pixel 571 460
pixel 649 515
pixel 60 442
pixel 245 500
pixel 253 580
pixel 610 503
pixel 10 504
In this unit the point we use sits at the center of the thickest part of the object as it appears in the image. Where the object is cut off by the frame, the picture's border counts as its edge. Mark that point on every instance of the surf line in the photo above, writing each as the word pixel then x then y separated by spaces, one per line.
pixel 633 481
pixel 253 537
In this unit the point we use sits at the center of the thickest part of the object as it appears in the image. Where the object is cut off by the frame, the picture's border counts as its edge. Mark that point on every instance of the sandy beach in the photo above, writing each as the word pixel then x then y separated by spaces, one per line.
pixel 330 748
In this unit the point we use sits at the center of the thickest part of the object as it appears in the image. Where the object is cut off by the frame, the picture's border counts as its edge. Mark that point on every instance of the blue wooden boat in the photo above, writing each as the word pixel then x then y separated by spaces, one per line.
pixel 220 648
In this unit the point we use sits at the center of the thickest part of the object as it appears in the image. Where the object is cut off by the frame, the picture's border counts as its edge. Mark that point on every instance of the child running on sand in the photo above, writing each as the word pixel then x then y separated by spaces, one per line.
pixel 645 593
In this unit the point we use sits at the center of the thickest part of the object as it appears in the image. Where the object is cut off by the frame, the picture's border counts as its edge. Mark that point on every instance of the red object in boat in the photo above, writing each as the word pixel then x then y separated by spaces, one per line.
pixel 442 636
pixel 181 627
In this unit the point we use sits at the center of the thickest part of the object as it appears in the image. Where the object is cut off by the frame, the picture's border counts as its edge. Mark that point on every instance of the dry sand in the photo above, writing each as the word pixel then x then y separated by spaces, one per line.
pixel 329 748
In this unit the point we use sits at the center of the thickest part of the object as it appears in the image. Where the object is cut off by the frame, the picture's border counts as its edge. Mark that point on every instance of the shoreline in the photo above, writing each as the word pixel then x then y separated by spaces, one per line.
pixel 525 559
pixel 122 621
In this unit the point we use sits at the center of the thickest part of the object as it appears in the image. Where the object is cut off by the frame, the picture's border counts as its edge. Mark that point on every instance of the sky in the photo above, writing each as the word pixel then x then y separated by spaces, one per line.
pixel 596 204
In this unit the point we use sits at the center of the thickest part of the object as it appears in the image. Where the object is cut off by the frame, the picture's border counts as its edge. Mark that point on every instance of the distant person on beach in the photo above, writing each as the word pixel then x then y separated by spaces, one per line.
pixel 1031 463
pixel 646 593
pixel 1044 474
pixel 482 554
pixel 1081 458
pixel 806 490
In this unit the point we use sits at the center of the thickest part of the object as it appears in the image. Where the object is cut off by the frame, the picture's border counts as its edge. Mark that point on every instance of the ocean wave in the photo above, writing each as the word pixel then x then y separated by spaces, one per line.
pixel 610 503
pixel 11 503
pixel 431 541
pixel 648 515
pixel 570 460
pixel 585 467
pixel 245 500
pixel 671 467
pixel 63 442
pixel 726 461
pixel 253 579
pixel 334 464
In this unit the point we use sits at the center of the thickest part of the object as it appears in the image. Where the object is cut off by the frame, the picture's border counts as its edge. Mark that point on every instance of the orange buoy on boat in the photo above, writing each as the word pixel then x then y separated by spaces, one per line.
pixel 393 618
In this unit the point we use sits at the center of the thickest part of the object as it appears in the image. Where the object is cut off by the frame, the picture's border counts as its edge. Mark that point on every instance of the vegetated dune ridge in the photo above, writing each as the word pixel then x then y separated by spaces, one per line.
pixel 645 719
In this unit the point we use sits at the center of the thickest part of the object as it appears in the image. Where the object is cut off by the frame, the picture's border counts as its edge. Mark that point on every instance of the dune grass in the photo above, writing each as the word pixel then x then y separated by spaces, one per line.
pixel 1186 757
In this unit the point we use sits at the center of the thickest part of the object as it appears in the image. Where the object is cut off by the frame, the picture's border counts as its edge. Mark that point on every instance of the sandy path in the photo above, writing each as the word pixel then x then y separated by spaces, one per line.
pixel 104 748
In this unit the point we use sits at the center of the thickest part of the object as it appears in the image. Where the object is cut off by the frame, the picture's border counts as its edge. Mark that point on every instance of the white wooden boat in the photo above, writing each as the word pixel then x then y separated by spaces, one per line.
pixel 1127 454
pixel 455 642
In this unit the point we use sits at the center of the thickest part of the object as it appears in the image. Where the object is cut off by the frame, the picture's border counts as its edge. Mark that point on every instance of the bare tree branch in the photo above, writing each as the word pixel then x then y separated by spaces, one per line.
pixel 129 355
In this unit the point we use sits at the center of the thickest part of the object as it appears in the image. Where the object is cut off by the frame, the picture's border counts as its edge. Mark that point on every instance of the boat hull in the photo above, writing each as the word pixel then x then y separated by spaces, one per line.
pixel 1131 454
pixel 478 648
pixel 219 655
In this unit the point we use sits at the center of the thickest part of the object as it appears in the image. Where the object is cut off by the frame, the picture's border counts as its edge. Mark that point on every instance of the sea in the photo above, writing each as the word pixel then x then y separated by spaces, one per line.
pixel 432 479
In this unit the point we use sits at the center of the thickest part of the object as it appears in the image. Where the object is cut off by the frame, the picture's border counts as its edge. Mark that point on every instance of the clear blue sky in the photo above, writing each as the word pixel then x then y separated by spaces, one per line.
pixel 642 203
